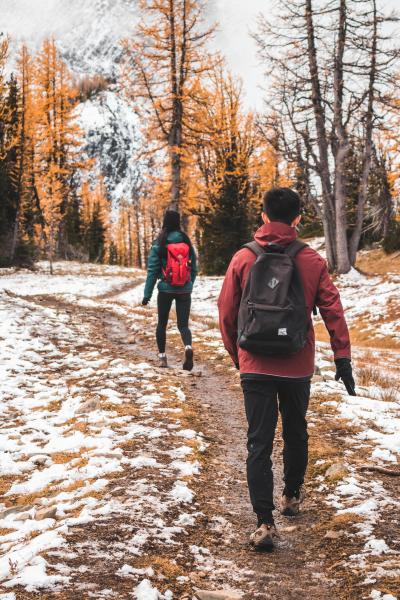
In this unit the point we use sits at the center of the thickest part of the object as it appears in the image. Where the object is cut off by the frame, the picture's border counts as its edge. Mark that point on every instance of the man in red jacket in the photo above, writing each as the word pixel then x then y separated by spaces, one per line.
pixel 268 379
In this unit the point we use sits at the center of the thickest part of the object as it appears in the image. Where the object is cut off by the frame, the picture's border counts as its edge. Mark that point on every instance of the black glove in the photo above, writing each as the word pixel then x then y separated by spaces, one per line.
pixel 145 301
pixel 344 372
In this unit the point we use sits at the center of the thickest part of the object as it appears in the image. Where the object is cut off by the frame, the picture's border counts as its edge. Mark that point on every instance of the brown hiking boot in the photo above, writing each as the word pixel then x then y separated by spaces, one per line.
pixel 188 364
pixel 263 537
pixel 290 505
pixel 163 361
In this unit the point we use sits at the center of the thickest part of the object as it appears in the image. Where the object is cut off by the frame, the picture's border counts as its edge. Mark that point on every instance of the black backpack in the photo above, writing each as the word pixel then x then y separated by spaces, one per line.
pixel 272 315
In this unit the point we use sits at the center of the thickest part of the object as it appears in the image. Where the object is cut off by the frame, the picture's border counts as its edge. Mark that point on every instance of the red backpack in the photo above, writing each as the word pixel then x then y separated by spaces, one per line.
pixel 177 270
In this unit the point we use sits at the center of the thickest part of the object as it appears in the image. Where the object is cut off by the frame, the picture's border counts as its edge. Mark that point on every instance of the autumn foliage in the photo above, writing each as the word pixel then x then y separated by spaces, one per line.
pixel 201 150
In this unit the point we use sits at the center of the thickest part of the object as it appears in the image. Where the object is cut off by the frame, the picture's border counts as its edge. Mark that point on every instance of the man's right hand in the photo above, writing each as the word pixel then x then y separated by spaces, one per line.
pixel 344 372
pixel 145 301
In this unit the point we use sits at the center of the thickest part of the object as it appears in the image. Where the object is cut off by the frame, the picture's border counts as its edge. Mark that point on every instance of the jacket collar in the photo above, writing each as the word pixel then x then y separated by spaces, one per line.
pixel 275 233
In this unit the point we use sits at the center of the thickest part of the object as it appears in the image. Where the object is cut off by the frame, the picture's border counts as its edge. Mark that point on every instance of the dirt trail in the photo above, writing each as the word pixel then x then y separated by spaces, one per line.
pixel 295 570
pixel 304 564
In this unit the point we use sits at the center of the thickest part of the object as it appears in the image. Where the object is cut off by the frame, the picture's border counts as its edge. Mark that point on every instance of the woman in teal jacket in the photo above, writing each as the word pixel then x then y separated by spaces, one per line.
pixel 171 233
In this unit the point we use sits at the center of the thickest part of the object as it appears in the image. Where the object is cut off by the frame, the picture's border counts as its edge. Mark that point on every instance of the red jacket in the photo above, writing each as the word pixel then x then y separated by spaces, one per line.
pixel 318 289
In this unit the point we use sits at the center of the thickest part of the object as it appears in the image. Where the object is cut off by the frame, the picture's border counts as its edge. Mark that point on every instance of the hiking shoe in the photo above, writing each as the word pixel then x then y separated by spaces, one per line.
pixel 291 501
pixel 163 361
pixel 188 364
pixel 263 537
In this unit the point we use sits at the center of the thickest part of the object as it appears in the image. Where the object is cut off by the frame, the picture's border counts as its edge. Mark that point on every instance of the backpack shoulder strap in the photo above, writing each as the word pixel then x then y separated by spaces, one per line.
pixel 255 248
pixel 295 247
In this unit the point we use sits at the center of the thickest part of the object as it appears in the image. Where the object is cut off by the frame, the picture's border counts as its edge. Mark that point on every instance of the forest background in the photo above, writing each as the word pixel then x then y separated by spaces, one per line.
pixel 327 126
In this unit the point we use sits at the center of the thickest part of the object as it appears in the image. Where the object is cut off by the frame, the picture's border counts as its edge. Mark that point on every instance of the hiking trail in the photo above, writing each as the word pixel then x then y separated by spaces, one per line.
pixel 174 513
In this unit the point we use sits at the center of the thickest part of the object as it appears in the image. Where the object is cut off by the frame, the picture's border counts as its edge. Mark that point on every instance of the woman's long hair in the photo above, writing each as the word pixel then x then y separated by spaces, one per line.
pixel 172 222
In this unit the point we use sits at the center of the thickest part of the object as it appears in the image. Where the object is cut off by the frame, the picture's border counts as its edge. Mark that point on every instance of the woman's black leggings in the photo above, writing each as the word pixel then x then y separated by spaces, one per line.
pixel 182 305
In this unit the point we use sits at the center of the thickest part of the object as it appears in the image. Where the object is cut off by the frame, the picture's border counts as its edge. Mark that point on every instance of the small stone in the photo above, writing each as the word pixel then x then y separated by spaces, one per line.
pixel 14 509
pixel 106 454
pixel 336 471
pixel 333 535
pixel 40 460
pixel 25 516
pixel 49 512
pixel 88 406
pixel 288 529
pixel 218 595
pixel 131 339
pixel 33 454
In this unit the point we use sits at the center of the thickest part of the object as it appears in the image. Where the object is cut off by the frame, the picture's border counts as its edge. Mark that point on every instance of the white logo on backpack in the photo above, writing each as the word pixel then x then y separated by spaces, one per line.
pixel 273 283
pixel 282 331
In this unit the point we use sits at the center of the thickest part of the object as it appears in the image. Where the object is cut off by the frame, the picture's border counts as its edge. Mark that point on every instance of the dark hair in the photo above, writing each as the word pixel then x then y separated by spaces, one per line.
pixel 171 222
pixel 282 204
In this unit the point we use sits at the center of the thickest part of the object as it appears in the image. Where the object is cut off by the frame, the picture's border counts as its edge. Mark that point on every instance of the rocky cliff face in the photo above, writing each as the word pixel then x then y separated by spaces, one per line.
pixel 88 34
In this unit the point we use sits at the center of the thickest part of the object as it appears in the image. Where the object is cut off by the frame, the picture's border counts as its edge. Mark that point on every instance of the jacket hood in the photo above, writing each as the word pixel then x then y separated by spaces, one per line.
pixel 275 233
pixel 175 237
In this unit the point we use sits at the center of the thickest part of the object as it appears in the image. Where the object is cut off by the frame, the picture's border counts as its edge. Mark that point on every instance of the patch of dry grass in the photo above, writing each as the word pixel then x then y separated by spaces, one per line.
pixel 28 499
pixel 82 426
pixel 165 566
pixel 6 481
pixel 368 376
pixel 362 334
pixel 6 530
pixel 127 409
pixel 346 518
pixel 52 406
pixel 65 457
pixel 376 262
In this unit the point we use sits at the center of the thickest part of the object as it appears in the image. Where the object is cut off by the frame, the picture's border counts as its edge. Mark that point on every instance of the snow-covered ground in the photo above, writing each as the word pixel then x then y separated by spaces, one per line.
pixel 74 416
pixel 375 300
pixel 73 278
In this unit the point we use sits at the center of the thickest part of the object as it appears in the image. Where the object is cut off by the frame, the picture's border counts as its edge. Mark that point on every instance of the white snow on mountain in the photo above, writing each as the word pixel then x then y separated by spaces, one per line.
pixel 112 136
pixel 88 32
pixel 88 35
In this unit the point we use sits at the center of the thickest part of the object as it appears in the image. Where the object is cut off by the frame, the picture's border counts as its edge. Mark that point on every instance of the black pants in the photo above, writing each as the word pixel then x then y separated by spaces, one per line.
pixel 182 305
pixel 261 404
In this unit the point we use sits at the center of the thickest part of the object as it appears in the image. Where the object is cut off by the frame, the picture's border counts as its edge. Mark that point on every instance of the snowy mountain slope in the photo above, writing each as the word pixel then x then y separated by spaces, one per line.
pixel 112 137
pixel 88 35
pixel 88 32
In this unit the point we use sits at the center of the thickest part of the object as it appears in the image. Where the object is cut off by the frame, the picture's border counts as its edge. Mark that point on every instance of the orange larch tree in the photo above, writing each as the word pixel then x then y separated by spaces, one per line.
pixel 57 140
pixel 164 60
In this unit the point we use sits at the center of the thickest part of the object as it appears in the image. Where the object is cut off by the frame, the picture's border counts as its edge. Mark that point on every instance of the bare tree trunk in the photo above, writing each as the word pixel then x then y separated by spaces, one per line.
pixel 367 156
pixel 342 148
pixel 138 237
pixel 130 238
pixel 175 138
pixel 319 115
pixel 176 179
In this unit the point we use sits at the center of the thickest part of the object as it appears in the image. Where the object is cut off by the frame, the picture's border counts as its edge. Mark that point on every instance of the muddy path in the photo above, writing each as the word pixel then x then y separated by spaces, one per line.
pixel 304 565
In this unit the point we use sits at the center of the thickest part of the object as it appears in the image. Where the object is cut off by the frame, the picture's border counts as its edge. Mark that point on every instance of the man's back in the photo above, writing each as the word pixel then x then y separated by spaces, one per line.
pixel 318 290
pixel 279 384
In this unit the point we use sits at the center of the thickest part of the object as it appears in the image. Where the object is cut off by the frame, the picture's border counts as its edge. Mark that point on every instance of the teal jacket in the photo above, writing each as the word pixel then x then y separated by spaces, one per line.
pixel 155 266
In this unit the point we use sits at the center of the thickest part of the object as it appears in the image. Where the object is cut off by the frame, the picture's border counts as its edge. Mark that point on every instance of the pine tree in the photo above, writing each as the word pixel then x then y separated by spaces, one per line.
pixel 9 125
pixel 224 156
pixel 95 219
